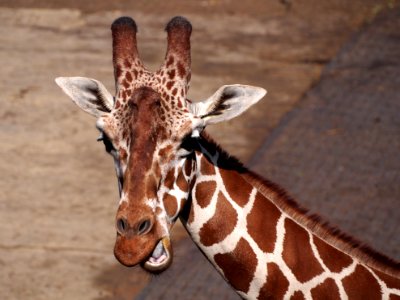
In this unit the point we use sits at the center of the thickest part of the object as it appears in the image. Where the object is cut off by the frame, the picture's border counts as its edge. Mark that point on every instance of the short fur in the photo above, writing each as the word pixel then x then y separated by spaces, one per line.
pixel 313 222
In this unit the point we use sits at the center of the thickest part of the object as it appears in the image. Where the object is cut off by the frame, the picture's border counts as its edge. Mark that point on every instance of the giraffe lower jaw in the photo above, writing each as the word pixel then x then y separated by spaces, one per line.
pixel 161 257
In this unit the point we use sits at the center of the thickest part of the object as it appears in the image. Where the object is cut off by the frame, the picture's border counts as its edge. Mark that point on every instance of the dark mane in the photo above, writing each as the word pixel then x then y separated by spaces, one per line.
pixel 321 228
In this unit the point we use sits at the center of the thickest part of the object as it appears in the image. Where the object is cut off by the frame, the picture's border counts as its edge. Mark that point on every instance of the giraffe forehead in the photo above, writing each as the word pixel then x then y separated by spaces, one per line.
pixel 172 120
pixel 168 81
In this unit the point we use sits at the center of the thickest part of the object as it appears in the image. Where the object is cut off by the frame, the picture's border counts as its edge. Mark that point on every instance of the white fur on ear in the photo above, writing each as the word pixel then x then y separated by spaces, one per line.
pixel 89 94
pixel 228 102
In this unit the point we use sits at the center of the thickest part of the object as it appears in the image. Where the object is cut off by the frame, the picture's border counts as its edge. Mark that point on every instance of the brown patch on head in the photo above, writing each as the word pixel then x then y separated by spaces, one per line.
pixel 127 64
pixel 165 152
pixel 204 192
pixel 361 284
pixel 297 252
pixel 125 83
pixel 129 76
pixel 171 74
pixel 334 259
pixel 261 223
pixel 326 290
pixel 239 192
pixel 297 296
pixel 239 265
pixel 221 224
pixel 169 85
pixel 117 104
pixel 170 204
pixel 276 285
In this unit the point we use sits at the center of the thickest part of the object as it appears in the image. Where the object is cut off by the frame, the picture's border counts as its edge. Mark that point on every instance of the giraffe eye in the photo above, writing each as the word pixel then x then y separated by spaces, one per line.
pixel 109 146
pixel 107 142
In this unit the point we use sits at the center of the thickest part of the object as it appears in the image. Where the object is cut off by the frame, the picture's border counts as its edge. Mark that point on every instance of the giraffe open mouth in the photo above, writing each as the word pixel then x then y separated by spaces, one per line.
pixel 161 257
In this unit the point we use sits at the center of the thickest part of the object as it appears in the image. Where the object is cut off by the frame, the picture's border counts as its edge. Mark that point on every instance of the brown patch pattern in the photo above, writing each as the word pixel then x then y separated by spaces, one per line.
pixel 204 192
pixel 239 192
pixel 181 181
pixel 206 167
pixel 390 281
pixel 261 223
pixel 170 179
pixel 297 296
pixel 297 252
pixel 221 224
pixel 326 290
pixel 333 259
pixel 238 266
pixel 170 204
pixel 276 285
pixel 361 284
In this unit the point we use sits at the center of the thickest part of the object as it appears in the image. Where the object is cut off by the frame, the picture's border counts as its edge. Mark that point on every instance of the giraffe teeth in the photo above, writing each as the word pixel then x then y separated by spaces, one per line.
pixel 161 257
pixel 158 251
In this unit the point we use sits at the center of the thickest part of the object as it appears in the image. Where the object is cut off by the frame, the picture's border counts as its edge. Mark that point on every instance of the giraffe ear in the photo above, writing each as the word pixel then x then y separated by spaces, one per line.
pixel 228 102
pixel 89 94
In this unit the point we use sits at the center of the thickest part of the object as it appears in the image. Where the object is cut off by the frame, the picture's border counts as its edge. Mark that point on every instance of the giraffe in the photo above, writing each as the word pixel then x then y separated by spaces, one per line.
pixel 260 240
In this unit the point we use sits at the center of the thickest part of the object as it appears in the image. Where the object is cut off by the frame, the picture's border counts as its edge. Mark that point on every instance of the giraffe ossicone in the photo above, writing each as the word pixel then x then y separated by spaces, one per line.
pixel 168 168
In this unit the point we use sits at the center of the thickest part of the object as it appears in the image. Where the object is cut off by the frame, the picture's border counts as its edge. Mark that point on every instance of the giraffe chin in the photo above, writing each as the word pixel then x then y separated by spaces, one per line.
pixel 160 258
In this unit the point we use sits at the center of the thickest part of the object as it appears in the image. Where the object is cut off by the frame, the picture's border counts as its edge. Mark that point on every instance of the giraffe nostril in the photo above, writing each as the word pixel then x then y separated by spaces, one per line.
pixel 144 226
pixel 122 226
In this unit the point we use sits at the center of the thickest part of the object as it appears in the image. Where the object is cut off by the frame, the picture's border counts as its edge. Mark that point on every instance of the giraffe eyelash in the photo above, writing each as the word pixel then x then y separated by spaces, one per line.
pixel 107 142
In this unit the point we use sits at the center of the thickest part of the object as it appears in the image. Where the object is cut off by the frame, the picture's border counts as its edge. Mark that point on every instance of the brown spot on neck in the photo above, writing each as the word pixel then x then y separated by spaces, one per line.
pixel 333 259
pixel 170 204
pixel 361 284
pixel 238 188
pixel 221 224
pixel 390 281
pixel 181 182
pixel 297 296
pixel 298 254
pixel 276 285
pixel 204 192
pixel 239 265
pixel 261 223
pixel 326 290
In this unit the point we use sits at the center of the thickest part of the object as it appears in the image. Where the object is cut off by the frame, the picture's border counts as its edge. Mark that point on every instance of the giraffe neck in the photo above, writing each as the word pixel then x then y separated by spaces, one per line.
pixel 264 245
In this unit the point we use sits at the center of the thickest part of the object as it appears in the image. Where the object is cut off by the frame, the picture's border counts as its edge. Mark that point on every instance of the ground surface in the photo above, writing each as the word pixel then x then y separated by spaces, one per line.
pixel 58 193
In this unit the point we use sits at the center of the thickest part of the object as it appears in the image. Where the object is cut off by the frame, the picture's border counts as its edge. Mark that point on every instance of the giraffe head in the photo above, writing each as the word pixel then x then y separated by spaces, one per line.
pixel 148 128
